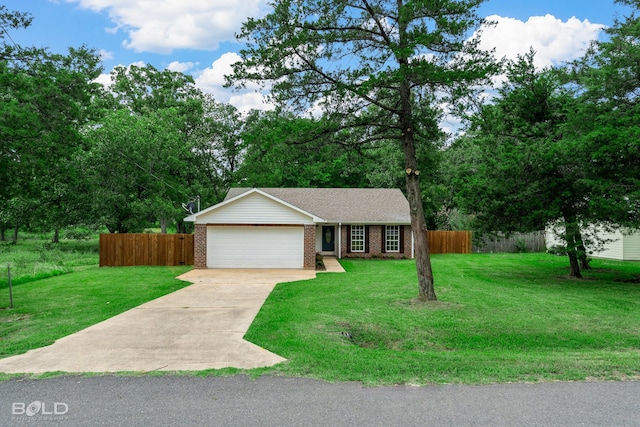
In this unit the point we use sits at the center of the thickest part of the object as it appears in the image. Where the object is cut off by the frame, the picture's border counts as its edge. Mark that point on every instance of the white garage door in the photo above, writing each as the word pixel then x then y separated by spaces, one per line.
pixel 255 247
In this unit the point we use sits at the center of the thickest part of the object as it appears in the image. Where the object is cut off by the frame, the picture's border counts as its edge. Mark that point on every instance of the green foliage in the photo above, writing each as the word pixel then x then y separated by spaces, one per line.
pixel 46 99
pixel 78 233
pixel 526 165
pixel 376 71
pixel 607 119
pixel 158 142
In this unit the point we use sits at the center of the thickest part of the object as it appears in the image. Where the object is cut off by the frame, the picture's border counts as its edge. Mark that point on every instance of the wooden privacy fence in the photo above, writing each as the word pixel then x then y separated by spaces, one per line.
pixel 119 250
pixel 461 242
pixel 449 242
pixel 517 242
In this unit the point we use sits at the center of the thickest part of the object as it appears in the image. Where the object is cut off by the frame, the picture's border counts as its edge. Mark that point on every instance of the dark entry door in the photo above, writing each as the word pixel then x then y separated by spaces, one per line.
pixel 328 238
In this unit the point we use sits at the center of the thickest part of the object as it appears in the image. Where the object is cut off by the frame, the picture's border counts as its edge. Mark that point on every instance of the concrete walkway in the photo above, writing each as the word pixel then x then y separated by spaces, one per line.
pixel 198 327
pixel 331 265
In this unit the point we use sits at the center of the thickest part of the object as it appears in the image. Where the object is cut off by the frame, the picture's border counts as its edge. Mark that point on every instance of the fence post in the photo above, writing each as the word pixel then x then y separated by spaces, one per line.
pixel 10 287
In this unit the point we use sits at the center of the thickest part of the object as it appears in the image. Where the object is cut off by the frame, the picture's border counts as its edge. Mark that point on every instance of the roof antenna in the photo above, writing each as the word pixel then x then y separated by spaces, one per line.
pixel 191 205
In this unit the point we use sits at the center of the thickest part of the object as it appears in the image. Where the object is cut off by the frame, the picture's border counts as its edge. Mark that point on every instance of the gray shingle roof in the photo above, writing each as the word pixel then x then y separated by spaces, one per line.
pixel 346 205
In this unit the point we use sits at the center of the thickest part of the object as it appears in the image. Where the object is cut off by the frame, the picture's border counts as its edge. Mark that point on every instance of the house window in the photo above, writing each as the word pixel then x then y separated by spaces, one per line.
pixel 392 238
pixel 357 238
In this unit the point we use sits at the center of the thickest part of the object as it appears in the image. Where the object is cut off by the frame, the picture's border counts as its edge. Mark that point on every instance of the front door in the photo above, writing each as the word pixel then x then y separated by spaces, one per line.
pixel 328 238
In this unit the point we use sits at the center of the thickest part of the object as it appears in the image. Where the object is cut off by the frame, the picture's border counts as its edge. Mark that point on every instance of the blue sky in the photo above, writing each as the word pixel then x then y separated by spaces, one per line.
pixel 196 36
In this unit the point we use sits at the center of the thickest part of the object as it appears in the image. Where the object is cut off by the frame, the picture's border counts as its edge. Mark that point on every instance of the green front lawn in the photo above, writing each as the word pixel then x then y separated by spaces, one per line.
pixel 499 318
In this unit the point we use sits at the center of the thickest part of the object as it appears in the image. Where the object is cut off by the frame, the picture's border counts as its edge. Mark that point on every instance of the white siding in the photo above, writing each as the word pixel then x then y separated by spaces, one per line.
pixel 255 247
pixel 551 239
pixel 254 209
pixel 620 246
pixel 613 249
pixel 631 247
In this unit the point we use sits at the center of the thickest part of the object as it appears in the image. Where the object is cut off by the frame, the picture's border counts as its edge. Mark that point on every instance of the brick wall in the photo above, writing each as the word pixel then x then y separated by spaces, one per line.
pixel 375 244
pixel 200 246
pixel 309 247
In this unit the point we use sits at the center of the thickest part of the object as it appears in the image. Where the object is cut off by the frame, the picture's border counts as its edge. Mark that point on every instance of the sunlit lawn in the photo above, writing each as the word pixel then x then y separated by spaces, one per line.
pixel 499 318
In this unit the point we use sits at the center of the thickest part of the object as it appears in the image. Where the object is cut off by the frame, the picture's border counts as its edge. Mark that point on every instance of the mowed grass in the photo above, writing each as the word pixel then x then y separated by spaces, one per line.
pixel 499 318
pixel 51 308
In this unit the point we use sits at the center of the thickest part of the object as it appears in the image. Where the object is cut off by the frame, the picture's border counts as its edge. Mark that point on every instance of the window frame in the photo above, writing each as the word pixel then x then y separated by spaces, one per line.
pixel 358 236
pixel 394 240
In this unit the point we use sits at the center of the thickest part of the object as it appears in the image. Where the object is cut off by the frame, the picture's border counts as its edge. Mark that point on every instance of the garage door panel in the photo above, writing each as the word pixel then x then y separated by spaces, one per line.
pixel 255 247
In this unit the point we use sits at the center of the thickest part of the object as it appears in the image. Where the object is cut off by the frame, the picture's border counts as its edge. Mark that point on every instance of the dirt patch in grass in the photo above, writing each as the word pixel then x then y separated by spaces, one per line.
pixel 416 304
pixel 13 317
pixel 373 336
pixel 632 280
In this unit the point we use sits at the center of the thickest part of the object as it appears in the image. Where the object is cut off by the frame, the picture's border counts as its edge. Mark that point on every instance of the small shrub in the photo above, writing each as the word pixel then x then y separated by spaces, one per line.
pixel 521 246
pixel 6 246
pixel 78 233
pixel 50 252
pixel 557 250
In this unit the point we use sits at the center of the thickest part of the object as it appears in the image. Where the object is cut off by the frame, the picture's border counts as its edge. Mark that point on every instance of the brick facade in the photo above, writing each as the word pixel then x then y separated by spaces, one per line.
pixel 200 246
pixel 309 247
pixel 373 243
pixel 374 239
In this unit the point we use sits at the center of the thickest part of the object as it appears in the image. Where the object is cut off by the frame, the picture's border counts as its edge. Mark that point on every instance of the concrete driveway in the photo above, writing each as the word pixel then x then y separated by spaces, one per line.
pixel 198 327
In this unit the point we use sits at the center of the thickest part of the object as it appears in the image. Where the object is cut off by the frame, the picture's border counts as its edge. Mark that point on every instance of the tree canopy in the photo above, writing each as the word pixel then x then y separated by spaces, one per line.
pixel 377 66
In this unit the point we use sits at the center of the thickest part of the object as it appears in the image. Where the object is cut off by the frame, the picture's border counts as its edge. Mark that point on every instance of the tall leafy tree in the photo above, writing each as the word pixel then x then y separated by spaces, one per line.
pixel 370 64
pixel 65 87
pixel 16 118
pixel 45 102
pixel 607 121
pixel 525 164
pixel 152 121
pixel 134 167
pixel 277 153
pixel 218 150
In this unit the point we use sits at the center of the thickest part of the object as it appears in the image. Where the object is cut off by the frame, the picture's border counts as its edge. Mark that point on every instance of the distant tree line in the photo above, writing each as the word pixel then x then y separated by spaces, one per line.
pixel 559 145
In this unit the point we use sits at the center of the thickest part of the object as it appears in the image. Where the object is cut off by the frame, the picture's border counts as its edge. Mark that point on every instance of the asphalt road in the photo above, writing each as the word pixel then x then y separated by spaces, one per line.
pixel 278 401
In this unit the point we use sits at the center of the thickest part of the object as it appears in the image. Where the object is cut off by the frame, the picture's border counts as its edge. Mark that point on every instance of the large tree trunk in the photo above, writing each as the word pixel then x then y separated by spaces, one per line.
pixel 571 229
pixel 582 252
pixel 56 236
pixel 426 291
pixel 163 225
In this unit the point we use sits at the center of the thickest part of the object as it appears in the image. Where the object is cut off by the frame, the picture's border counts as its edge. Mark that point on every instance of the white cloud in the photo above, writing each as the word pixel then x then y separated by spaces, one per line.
pixel 211 80
pixel 104 79
pixel 245 102
pixel 181 67
pixel 161 26
pixel 553 40
pixel 105 55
